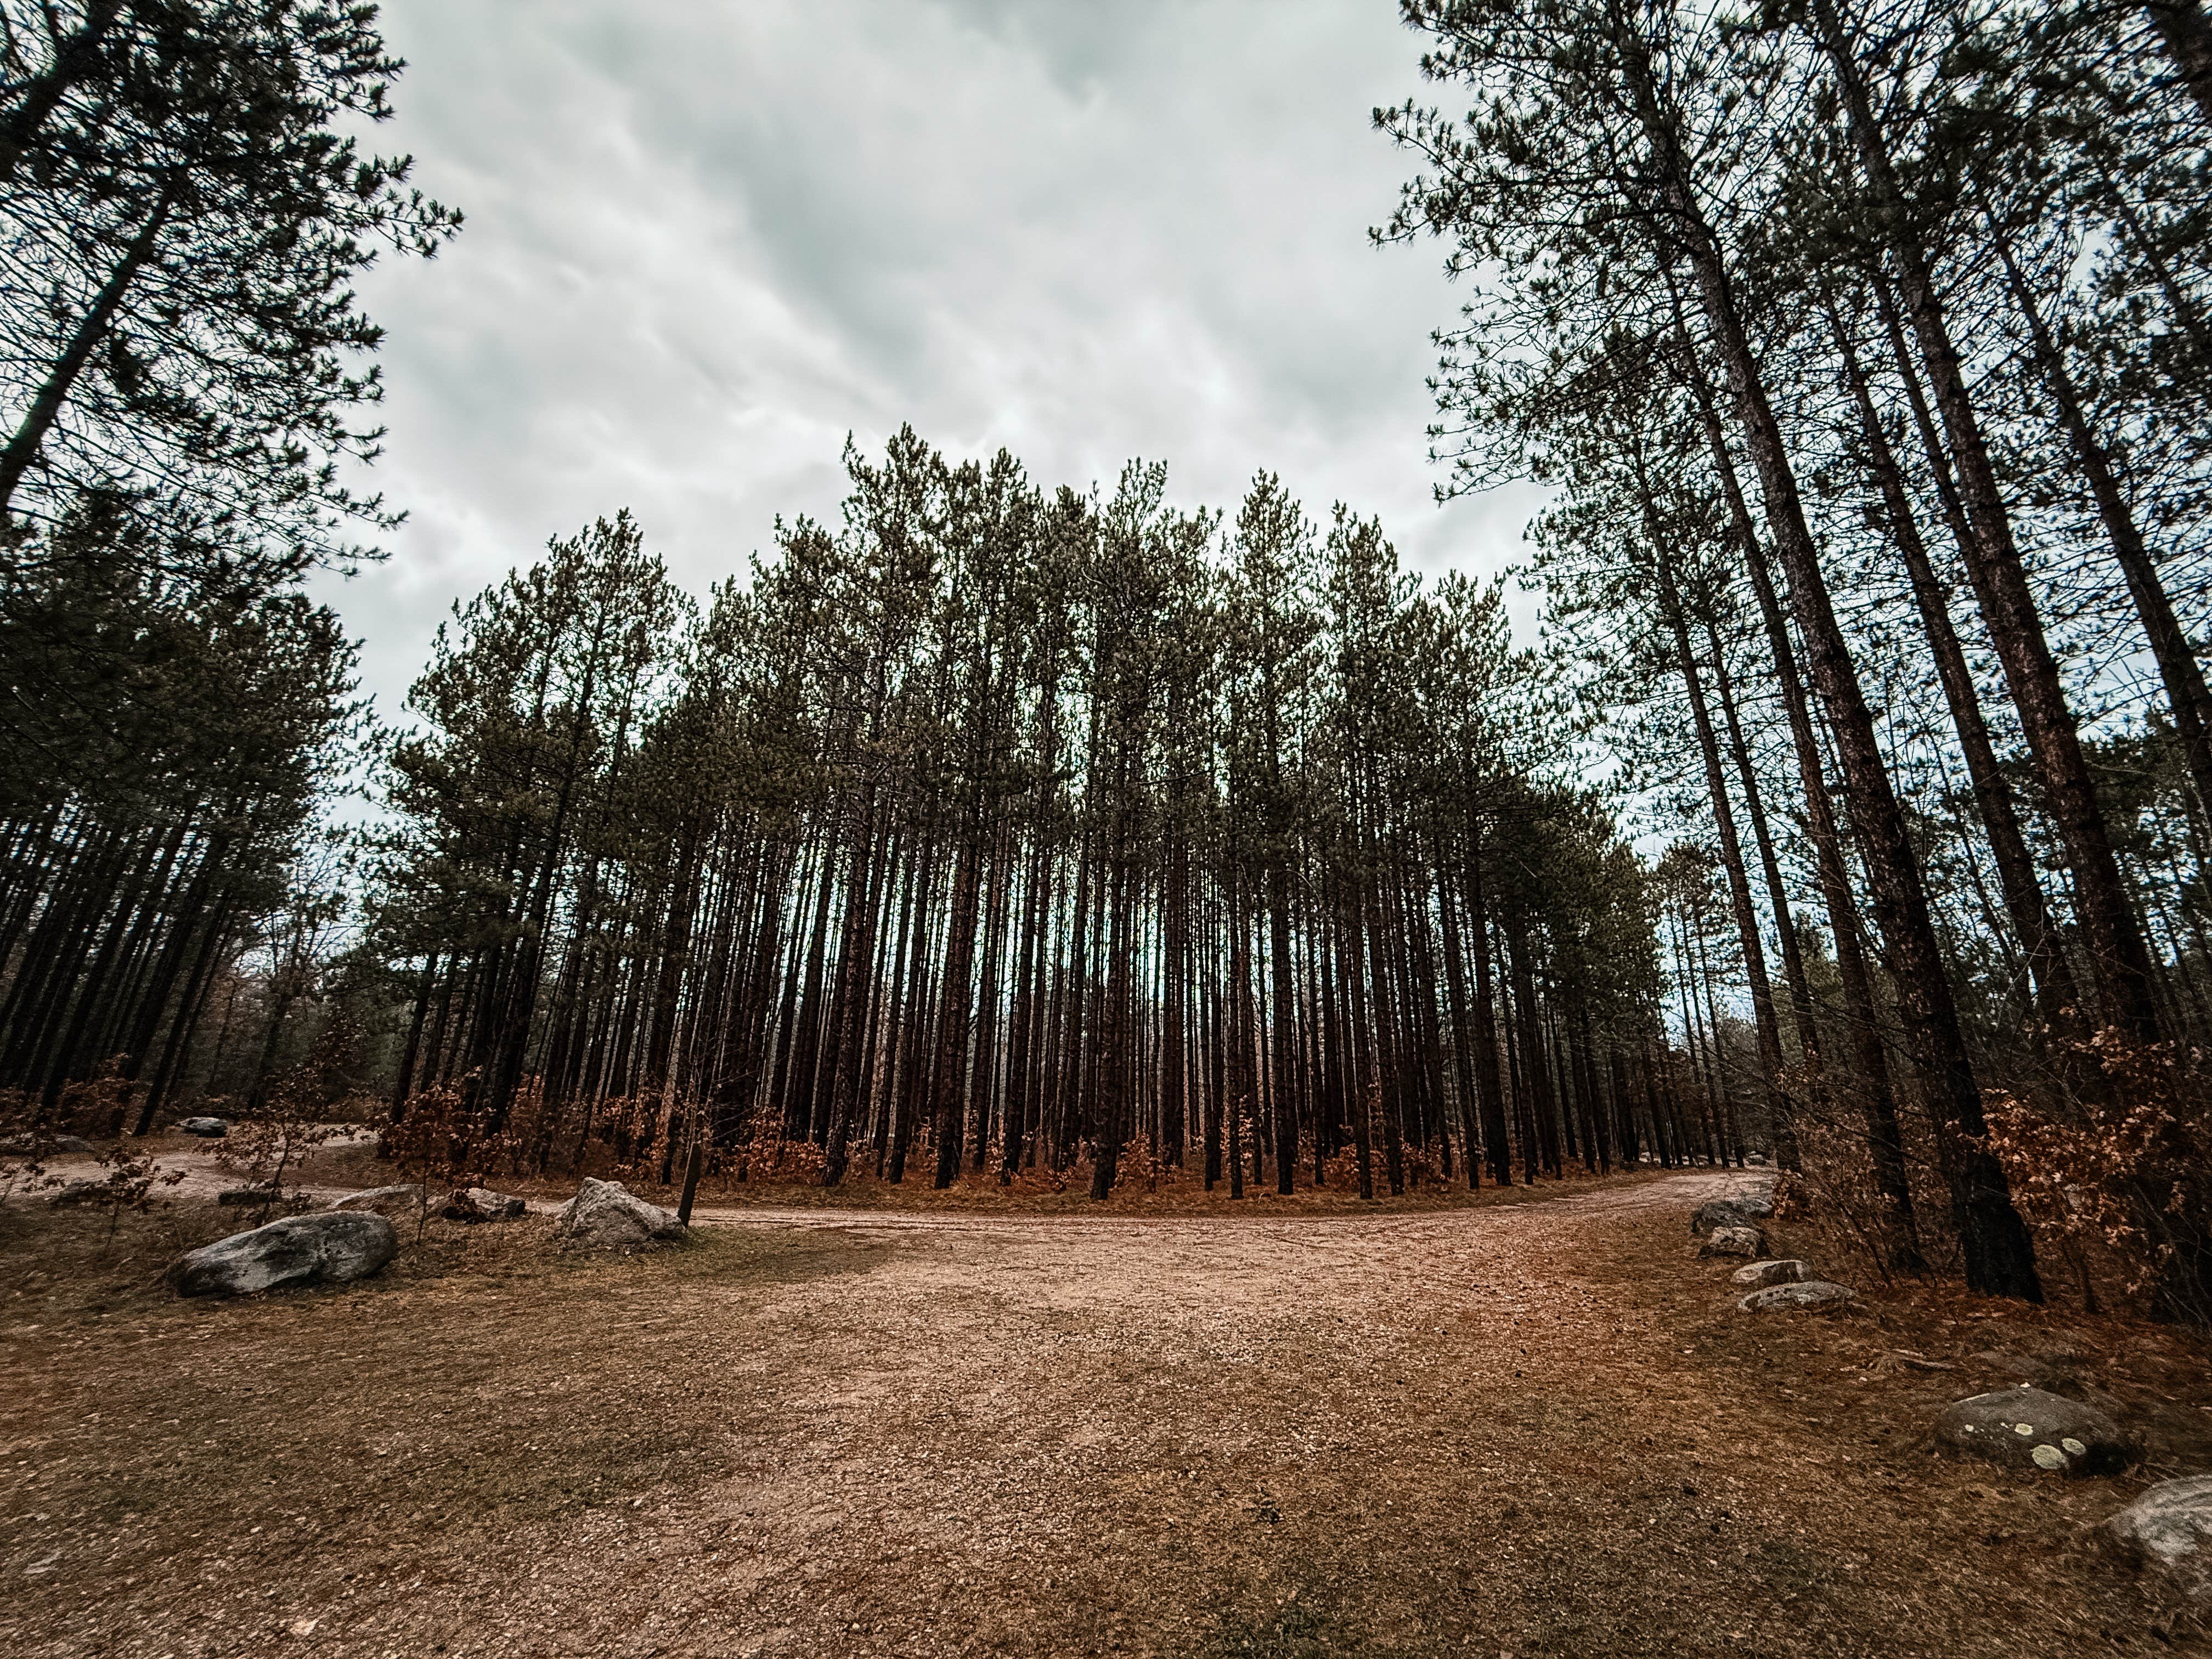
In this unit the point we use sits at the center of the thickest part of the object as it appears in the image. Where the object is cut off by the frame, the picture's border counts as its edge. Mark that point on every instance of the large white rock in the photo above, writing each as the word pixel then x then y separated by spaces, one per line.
pixel 2028 1428
pixel 208 1127
pixel 2168 1531
pixel 605 1215
pixel 326 1248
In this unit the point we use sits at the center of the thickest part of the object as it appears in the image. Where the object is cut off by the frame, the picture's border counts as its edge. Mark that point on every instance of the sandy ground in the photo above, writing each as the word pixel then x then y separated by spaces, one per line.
pixel 1536 1429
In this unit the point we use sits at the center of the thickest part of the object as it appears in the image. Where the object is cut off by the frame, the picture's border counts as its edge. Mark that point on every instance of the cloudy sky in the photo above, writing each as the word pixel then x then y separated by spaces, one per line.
pixel 707 239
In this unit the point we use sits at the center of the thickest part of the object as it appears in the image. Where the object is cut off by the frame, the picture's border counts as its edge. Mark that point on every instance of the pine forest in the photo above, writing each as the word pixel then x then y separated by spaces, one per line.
pixel 1798 817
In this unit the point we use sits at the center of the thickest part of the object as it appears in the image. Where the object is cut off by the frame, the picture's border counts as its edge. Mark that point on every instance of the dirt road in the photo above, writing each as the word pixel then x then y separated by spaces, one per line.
pixel 1535 1429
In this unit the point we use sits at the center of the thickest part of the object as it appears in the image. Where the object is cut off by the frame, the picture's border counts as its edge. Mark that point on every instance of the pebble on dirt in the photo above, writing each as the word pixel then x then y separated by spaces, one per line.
pixel 1813 1293
pixel 2027 1428
pixel 1760 1275
pixel 331 1246
pixel 2168 1531
pixel 605 1215
pixel 208 1127
pixel 1741 1239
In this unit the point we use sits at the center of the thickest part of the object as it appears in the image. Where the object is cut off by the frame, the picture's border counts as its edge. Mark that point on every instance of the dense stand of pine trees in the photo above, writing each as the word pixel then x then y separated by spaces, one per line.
pixel 1864 346
pixel 996 830
pixel 181 227
pixel 161 785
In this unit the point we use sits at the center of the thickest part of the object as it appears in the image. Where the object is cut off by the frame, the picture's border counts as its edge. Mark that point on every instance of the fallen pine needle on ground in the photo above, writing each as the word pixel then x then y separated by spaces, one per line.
pixel 1534 1426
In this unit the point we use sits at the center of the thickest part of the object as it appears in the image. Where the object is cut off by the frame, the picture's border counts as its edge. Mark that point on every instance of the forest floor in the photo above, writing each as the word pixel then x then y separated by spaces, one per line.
pixel 1537 1426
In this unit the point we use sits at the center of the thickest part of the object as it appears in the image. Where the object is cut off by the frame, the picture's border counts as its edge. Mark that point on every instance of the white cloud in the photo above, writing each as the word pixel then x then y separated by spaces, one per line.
pixel 705 240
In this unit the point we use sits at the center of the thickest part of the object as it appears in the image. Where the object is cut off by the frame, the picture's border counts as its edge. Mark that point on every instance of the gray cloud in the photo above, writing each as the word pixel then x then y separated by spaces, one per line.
pixel 706 240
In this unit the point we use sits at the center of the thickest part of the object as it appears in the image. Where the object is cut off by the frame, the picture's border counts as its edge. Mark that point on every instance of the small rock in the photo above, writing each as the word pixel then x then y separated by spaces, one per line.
pixel 401 1203
pixel 233 1197
pixel 605 1215
pixel 2168 1531
pixel 326 1248
pixel 1808 1294
pixel 1755 1159
pixel 482 1204
pixel 1761 1274
pixel 209 1127
pixel 2027 1428
pixel 1742 1240
pixel 76 1192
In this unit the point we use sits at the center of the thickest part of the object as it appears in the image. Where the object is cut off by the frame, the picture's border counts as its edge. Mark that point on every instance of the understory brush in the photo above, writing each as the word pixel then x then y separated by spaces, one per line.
pixel 2113 1179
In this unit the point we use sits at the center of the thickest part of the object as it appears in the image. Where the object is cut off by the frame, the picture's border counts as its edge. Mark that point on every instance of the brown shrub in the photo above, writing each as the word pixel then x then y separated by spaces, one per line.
pixel 2126 1177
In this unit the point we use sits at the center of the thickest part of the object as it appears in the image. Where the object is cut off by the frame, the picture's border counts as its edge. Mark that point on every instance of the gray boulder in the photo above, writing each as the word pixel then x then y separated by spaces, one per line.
pixel 395 1203
pixel 1737 1210
pixel 325 1248
pixel 482 1204
pixel 1742 1239
pixel 1811 1293
pixel 604 1215
pixel 2168 1531
pixel 209 1128
pixel 2027 1428
pixel 1762 1275
pixel 77 1192
pixel 1757 1160
pixel 1716 1212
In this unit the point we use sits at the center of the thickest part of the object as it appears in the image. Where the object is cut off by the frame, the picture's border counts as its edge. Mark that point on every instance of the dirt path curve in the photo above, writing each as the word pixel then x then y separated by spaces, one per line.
pixel 198 1168
pixel 1681 1192
pixel 1533 1429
